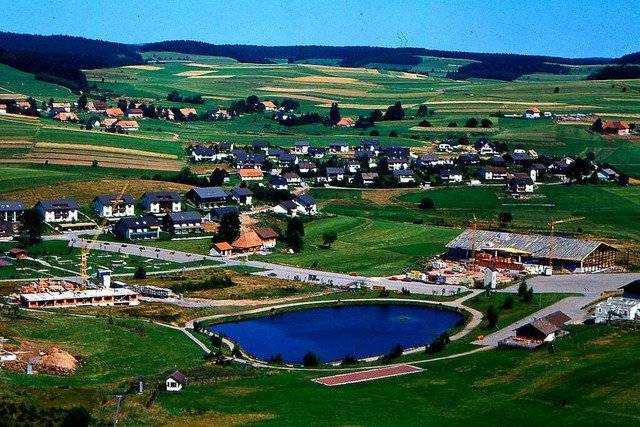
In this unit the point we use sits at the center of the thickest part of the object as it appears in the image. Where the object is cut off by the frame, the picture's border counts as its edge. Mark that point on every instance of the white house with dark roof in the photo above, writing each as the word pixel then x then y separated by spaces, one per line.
pixel 110 206
pixel 617 308
pixel 301 147
pixel 137 228
pixel 334 174
pixel 161 202
pixel 175 381
pixel 11 210
pixel 242 196
pixel 63 210
pixel 207 197
pixel 182 222
pixel 307 205
pixel 404 176
pixel 287 207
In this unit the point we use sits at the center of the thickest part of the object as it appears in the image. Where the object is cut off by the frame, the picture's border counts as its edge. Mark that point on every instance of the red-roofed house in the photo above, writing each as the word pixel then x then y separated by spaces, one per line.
pixel 66 117
pixel 114 112
pixel 617 128
pixel 269 106
pixel 532 113
pixel 221 249
pixel 247 242
pixel 250 174
pixel 346 122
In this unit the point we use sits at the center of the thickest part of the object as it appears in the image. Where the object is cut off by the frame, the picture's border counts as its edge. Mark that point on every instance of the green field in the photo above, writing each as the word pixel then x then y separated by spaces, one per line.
pixel 368 247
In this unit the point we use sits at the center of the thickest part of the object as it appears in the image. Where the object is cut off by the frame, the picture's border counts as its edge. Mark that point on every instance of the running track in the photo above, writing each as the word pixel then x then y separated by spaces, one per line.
pixel 370 375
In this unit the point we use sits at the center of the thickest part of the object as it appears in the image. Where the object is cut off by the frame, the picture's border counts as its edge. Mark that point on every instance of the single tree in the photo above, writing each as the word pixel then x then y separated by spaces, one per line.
pixel 505 218
pixel 32 226
pixel 310 360
pixel 597 126
pixel 528 297
pixel 508 302
pixel 492 317
pixel 623 179
pixel 423 110
pixel 556 89
pixel 522 289
pixel 486 123
pixel 82 101
pixel 217 177
pixel 376 115
pixel 140 273
pixel 374 132
pixel 334 114
pixel 425 124
pixel 94 163
pixel 452 125
pixel 393 134
pixel 329 237
pixel 472 123
pixel 229 228
pixel 426 203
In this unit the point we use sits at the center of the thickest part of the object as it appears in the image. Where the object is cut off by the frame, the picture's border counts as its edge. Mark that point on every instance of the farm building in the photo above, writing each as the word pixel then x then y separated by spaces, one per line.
pixel 532 113
pixel 91 297
pixel 250 174
pixel 512 251
pixel 616 128
pixel 617 308
pixel 175 381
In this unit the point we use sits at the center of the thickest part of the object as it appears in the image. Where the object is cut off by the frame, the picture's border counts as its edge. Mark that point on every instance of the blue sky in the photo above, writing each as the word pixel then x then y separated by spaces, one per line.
pixel 561 27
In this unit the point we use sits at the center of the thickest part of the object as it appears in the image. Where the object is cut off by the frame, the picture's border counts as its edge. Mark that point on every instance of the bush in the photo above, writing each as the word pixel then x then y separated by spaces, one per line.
pixel 393 354
pixel 528 297
pixel 508 302
pixel 374 132
pixel 349 360
pixel 276 359
pixel 438 344
pixel 426 203
pixel 393 134
pixel 140 273
pixel 492 317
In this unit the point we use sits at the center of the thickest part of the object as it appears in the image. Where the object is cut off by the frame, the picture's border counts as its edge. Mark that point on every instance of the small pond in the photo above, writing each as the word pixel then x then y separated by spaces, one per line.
pixel 333 332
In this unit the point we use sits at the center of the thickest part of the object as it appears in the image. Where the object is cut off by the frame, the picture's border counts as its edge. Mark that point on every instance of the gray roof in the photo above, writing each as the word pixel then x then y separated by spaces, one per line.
pixel 58 205
pixel 241 192
pixel 210 193
pixel 305 200
pixel 407 172
pixel 179 217
pixel 139 221
pixel 218 213
pixel 335 171
pixel 301 144
pixel 11 205
pixel 289 205
pixel 108 199
pixel 165 196
pixel 536 245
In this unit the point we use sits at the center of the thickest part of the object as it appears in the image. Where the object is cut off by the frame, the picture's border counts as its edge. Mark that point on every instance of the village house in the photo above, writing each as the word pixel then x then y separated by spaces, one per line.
pixel 110 205
pixel 396 164
pixel 607 174
pixel 249 160
pixel 250 175
pixel 207 197
pixel 287 207
pixel 221 249
pixel 369 178
pixel 317 152
pixel 449 175
pixel 186 112
pixel 126 125
pixel 287 160
pixel 404 176
pixel 269 106
pixel 616 128
pixel 108 123
pixel 444 147
pixel 396 151
pixel 260 144
pixel 3 109
pixel 137 228
pixel 65 210
pixel 334 174
pixel 536 171
pixel 242 196
pixel 67 117
pixel 431 160
pixel 485 147
pixel 61 106
pixel 497 173
pixel 353 166
pixel 11 210
pixel 134 113
pixel 339 147
pixel 631 290
pixel 248 241
pixel 219 114
pixel 532 113
pixel 307 167
pixel 161 202
pixel 521 184
pixel 278 182
pixel 201 153
pixel 216 214
pixel 97 107
pixel 114 112
pixel 370 145
pixel 268 236
pixel 292 179
pixel 346 122
pixel 617 308
pixel 301 147
pixel 307 205
pixel 182 222
pixel 175 381
pixel 518 158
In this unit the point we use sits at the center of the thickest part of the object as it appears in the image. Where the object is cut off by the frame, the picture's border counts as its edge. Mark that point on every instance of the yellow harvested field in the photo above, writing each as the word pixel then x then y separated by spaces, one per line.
pixel 195 64
pixel 103 149
pixel 144 67
pixel 365 106
pixel 220 98
pixel 307 98
pixel 330 80
pixel 217 76
pixel 329 69
pixel 412 76
pixel 343 92
pixel 633 116
pixel 13 142
pixel 526 104
pixel 194 73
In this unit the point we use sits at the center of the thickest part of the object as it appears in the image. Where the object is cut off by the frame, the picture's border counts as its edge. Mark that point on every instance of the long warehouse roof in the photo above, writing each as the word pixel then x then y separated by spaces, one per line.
pixel 535 245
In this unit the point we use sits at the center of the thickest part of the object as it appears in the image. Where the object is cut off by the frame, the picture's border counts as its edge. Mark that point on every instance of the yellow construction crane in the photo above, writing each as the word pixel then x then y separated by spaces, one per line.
pixel 474 229
pixel 86 248
pixel 552 230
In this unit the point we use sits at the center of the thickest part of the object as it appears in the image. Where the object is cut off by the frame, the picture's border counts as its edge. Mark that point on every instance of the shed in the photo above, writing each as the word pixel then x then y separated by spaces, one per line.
pixel 631 290
pixel 175 381
pixel 490 277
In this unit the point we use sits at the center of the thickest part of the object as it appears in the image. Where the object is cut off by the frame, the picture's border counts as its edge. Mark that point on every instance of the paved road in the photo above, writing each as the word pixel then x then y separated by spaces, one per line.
pixel 591 286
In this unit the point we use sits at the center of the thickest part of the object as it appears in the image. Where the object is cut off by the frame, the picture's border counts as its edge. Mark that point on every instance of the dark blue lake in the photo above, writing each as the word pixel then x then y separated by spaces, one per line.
pixel 334 332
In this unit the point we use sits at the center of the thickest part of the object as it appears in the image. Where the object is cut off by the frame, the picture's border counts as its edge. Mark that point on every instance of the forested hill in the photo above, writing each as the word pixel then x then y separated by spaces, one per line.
pixel 60 59
pixel 490 65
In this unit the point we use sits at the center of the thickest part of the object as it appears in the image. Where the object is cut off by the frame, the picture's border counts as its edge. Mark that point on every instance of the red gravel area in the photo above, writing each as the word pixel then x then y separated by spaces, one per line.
pixel 371 375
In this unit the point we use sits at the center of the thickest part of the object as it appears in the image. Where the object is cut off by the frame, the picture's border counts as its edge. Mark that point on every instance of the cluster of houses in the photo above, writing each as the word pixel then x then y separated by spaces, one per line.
pixel 163 211
pixel 370 163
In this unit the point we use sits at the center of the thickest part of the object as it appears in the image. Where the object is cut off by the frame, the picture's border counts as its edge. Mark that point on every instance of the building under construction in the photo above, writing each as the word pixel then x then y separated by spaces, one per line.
pixel 515 251
pixel 89 297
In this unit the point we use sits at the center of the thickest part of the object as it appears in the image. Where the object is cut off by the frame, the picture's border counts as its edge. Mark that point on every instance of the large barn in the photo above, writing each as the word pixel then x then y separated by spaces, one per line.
pixel 512 251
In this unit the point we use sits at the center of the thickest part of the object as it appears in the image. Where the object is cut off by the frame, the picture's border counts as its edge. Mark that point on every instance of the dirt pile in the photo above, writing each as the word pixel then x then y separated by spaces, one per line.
pixel 57 362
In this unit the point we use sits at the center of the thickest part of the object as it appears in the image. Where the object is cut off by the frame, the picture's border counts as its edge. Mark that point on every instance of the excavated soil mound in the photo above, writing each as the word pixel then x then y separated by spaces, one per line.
pixel 57 362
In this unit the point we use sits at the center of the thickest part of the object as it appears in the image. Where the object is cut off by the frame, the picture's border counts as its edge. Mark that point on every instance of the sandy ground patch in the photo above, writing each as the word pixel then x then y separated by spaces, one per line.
pixel 195 64
pixel 328 79
pixel 412 76
pixel 194 73
pixel 217 76
pixel 329 91
pixel 329 69
pixel 635 116
pixel 383 197
pixel 15 144
pixel 144 67
pixel 220 98
pixel 307 98
pixel 526 104
pixel 75 147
